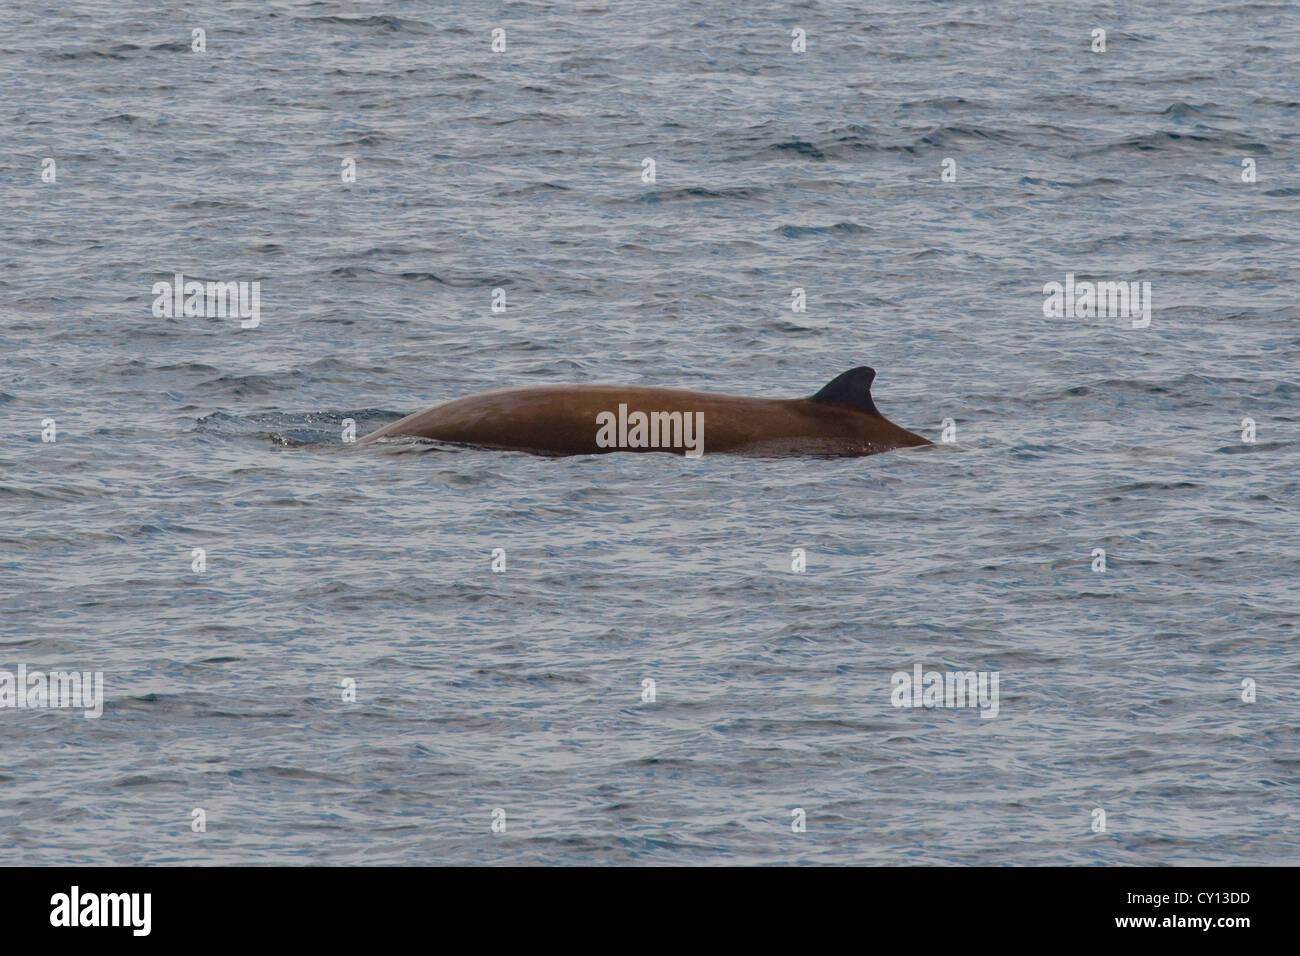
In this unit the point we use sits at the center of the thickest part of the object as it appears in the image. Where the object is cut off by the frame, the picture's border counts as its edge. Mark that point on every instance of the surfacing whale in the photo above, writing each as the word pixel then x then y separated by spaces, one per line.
pixel 841 419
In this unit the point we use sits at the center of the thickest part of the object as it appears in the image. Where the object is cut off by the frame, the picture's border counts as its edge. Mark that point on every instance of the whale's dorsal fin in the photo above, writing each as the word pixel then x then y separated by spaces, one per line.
pixel 851 388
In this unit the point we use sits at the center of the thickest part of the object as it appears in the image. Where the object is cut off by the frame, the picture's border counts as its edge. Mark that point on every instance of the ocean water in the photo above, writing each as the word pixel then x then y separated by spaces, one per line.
pixel 1161 691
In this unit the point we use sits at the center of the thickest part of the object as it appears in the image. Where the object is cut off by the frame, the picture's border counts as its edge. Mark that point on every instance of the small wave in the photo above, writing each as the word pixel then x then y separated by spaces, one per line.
pixel 294 430
pixel 388 22
pixel 1162 140
pixel 533 189
pixel 838 229
pixel 1185 110
pixel 120 52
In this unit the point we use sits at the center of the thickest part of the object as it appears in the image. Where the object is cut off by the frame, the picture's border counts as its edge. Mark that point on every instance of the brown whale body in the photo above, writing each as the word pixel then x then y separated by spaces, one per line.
pixel 841 419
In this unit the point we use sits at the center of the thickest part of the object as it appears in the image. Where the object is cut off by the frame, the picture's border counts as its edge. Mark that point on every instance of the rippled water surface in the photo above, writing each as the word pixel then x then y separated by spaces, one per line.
pixel 522 691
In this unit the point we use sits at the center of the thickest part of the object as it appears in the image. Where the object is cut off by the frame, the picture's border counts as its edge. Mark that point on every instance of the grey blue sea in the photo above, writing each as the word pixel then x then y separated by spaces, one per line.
pixel 304 639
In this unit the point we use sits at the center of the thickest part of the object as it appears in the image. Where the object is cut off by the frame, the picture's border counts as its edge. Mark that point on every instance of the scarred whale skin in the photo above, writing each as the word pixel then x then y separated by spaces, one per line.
pixel 841 419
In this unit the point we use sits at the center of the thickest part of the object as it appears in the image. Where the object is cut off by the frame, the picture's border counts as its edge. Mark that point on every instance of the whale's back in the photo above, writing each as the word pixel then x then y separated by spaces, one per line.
pixel 841 419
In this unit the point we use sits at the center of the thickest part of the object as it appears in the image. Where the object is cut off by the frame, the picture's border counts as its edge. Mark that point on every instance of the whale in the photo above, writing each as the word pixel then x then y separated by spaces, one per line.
pixel 841 419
